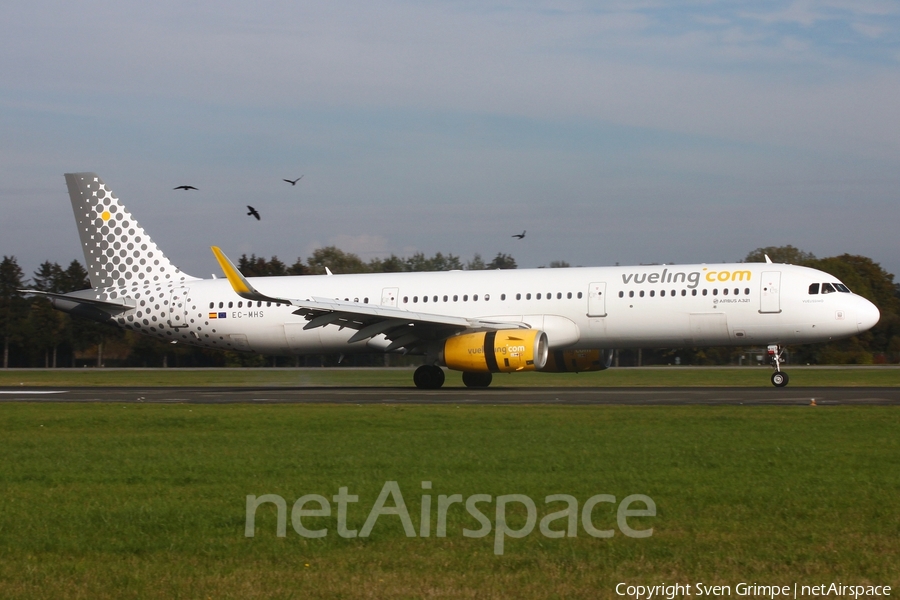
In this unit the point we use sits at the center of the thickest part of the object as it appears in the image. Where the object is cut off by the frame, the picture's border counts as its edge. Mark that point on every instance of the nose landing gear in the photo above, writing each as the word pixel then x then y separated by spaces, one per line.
pixel 779 377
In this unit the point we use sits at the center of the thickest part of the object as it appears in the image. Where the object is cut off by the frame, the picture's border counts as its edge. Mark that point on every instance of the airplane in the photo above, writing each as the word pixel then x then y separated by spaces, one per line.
pixel 477 322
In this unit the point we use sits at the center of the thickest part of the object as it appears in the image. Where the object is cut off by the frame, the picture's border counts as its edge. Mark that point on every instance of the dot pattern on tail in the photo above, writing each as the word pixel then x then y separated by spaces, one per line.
pixel 118 251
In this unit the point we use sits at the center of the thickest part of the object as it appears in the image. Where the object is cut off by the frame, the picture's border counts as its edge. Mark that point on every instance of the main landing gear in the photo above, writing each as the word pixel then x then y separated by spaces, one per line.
pixel 779 377
pixel 431 377
pixel 428 377
pixel 477 379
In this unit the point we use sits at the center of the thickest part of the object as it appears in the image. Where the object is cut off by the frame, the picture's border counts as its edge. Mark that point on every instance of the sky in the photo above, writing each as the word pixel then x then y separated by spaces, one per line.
pixel 613 132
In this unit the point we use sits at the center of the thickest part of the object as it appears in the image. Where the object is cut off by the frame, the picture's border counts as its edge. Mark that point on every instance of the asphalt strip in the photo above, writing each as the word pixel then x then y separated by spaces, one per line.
pixel 33 392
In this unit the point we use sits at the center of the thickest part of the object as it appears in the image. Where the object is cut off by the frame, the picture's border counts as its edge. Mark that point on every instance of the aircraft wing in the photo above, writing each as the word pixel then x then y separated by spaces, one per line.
pixel 404 329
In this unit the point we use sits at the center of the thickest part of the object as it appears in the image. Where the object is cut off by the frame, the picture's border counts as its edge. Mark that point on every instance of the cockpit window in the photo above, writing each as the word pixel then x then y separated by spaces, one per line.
pixel 842 288
pixel 827 288
pixel 813 288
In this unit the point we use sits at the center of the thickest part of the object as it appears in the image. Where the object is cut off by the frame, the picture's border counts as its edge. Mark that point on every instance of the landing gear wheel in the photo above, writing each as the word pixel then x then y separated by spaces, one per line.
pixel 428 377
pixel 476 379
pixel 779 379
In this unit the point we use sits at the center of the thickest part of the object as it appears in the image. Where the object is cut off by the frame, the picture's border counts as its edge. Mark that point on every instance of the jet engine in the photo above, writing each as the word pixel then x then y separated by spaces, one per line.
pixel 573 361
pixel 497 351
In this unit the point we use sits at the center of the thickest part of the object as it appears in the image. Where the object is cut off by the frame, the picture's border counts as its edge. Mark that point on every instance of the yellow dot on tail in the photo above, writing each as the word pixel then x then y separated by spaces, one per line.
pixel 105 216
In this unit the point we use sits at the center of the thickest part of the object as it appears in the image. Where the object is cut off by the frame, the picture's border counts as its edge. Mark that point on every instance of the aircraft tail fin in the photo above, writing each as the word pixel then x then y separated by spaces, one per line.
pixel 117 251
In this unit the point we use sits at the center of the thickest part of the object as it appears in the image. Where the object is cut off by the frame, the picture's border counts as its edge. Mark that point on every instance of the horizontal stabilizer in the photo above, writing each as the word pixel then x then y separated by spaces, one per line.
pixel 113 304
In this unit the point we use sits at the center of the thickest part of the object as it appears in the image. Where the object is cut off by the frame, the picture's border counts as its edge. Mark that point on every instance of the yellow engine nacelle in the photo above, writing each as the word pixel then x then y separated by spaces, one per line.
pixel 573 361
pixel 497 351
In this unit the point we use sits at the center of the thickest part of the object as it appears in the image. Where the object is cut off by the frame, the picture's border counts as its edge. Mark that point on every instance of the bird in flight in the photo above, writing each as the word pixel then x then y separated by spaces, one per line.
pixel 519 235
pixel 252 212
pixel 294 182
pixel 184 187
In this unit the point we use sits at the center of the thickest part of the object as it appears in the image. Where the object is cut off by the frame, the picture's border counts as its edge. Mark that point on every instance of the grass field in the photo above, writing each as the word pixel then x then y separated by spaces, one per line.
pixel 402 377
pixel 148 501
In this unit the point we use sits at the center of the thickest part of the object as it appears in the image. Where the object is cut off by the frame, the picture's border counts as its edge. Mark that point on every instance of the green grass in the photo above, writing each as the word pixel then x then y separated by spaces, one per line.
pixel 402 377
pixel 148 501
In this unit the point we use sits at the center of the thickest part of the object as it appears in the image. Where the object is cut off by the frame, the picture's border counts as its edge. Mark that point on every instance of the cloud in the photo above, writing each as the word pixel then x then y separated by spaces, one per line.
pixel 419 123
pixel 870 31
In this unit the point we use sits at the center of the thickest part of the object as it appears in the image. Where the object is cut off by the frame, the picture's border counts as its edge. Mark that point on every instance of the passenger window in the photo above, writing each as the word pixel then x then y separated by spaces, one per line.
pixel 559 295
pixel 579 295
pixel 684 292
pixel 693 292
pixel 231 305
pixel 212 304
pixel 455 298
pixel 465 298
pixel 652 293
pixel 445 298
pixel 705 291
pixel 662 293
pixel 424 298
pixel 538 297
pixel 569 295
pixel 631 294
pixel 725 291
pixel 813 289
pixel 827 288
pixel 405 299
pixel 621 294
pixel 518 296
pixel 642 293
pixel 528 296
pixel 475 298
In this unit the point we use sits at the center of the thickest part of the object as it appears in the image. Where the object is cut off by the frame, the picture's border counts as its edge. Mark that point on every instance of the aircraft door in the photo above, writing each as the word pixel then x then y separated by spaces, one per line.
pixel 389 296
pixel 597 300
pixel 770 292
pixel 178 307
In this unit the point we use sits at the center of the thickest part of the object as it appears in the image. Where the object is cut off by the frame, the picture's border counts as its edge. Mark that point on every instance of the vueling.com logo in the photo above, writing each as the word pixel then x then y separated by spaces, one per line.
pixel 692 279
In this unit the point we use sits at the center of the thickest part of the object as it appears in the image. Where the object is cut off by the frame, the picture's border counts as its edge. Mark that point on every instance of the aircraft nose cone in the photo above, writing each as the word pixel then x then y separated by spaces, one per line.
pixel 867 316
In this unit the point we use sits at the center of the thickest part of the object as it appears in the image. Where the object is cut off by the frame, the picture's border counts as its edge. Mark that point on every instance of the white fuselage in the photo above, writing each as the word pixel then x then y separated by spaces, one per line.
pixel 598 307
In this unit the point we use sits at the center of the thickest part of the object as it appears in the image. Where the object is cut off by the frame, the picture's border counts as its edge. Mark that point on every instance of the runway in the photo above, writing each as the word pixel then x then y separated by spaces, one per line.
pixel 823 396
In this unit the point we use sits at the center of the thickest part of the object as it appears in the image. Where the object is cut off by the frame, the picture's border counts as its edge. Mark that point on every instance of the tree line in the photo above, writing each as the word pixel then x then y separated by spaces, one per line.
pixel 339 262
pixel 34 334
